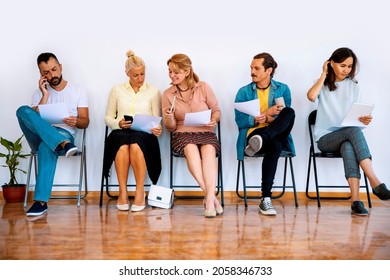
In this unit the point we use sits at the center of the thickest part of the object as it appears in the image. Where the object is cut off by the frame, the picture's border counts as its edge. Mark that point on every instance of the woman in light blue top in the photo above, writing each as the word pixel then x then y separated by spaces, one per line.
pixel 337 90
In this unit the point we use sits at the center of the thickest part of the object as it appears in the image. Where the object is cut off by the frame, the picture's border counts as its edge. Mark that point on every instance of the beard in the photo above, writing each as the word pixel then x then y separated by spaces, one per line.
pixel 55 81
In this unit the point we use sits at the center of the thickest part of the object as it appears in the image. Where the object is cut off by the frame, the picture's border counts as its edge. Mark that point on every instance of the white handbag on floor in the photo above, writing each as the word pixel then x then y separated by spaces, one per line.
pixel 160 196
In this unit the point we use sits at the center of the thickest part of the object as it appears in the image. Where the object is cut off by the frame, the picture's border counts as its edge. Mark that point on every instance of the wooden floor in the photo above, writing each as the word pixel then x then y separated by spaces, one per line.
pixel 94 233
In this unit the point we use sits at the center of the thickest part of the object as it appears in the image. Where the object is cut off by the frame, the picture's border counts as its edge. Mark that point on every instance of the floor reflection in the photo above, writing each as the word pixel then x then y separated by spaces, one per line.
pixel 91 232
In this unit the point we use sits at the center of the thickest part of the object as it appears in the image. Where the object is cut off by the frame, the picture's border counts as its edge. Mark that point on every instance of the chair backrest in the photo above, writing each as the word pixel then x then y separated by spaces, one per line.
pixel 311 121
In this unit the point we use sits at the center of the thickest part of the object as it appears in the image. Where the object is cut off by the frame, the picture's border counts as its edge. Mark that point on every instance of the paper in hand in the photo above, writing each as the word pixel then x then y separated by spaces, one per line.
pixel 356 111
pixel 54 113
pixel 251 108
pixel 197 119
pixel 145 123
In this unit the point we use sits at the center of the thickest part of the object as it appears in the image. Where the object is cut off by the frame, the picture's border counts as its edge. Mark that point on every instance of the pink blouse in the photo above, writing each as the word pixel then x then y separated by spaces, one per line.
pixel 202 98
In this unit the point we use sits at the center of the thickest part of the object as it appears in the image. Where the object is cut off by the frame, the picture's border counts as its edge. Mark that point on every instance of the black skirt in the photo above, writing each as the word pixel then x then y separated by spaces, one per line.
pixel 147 142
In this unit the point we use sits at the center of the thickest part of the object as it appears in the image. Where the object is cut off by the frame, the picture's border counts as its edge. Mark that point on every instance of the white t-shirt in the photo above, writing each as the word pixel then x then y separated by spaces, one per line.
pixel 334 105
pixel 73 95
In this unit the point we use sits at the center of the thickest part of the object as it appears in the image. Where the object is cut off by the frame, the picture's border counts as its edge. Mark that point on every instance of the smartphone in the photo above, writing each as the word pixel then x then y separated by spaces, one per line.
pixel 128 118
pixel 45 81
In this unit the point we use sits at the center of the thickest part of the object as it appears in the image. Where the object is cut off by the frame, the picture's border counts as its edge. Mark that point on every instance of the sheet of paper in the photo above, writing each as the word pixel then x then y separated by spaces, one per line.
pixel 197 119
pixel 249 107
pixel 145 123
pixel 356 111
pixel 54 113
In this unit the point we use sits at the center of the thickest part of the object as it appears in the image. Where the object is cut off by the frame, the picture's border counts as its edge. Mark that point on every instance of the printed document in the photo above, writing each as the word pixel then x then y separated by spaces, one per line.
pixel 356 111
pixel 54 113
pixel 249 107
pixel 197 119
pixel 145 123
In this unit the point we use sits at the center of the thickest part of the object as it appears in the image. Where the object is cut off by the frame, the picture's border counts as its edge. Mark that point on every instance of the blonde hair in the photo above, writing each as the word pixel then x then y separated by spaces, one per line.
pixel 133 61
pixel 183 62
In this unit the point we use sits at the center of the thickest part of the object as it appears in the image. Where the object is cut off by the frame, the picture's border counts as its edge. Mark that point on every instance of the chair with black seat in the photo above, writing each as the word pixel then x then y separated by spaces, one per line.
pixel 105 181
pixel 287 155
pixel 219 187
pixel 314 154
pixel 82 184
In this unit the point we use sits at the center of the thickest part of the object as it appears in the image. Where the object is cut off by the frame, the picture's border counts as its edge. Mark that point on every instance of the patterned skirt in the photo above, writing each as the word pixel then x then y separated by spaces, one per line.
pixel 181 139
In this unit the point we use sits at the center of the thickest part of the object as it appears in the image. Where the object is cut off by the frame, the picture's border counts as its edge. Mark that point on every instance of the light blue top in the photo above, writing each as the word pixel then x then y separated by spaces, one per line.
pixel 334 105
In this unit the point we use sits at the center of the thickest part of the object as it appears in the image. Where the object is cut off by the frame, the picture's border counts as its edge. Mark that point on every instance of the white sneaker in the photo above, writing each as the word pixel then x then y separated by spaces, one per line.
pixel 266 208
pixel 254 145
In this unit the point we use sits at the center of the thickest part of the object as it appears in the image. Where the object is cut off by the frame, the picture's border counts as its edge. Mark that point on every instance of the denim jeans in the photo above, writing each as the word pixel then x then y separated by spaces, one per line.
pixel 274 140
pixel 44 139
pixel 352 145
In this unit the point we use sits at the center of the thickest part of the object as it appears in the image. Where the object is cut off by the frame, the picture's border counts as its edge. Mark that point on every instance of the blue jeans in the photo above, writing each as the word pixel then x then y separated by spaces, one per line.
pixel 352 145
pixel 44 139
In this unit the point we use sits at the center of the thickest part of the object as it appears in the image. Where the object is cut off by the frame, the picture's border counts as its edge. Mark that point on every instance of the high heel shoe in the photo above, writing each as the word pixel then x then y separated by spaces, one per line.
pixel 218 208
pixel 137 208
pixel 210 213
pixel 123 207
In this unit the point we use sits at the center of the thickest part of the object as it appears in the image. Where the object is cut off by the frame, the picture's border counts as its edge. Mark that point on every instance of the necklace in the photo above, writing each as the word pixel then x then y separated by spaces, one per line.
pixel 181 90
pixel 264 87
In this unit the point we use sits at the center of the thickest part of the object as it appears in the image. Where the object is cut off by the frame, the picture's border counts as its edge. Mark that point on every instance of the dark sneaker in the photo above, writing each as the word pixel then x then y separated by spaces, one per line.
pixel 357 208
pixel 382 192
pixel 266 208
pixel 70 149
pixel 37 209
pixel 254 145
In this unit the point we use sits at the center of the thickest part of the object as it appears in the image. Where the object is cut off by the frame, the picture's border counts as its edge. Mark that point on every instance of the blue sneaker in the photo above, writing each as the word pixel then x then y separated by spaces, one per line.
pixel 70 149
pixel 37 209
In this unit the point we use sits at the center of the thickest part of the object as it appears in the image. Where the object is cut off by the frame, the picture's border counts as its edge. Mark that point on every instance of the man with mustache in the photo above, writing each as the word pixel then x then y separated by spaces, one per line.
pixel 50 141
pixel 268 132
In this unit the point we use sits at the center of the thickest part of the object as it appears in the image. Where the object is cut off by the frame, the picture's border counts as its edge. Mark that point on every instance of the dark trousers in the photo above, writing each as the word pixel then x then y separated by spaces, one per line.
pixel 274 140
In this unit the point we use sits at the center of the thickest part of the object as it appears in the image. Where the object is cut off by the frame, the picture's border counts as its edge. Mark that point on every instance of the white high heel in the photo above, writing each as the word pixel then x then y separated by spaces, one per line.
pixel 137 208
pixel 123 207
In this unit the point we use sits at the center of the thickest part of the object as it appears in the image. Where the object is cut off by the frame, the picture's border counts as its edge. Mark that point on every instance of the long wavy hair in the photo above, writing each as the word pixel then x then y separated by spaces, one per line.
pixel 183 62
pixel 338 56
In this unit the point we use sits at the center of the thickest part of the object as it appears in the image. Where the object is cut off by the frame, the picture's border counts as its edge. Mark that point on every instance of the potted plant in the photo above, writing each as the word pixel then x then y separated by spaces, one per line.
pixel 13 191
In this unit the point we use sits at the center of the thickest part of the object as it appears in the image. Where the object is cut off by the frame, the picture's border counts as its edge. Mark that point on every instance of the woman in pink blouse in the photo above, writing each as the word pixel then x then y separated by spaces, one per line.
pixel 198 144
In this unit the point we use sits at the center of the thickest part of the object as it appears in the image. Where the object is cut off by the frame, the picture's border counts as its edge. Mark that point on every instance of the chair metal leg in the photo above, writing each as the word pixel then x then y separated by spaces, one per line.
pixel 293 182
pixel 318 197
pixel 283 187
pixel 28 180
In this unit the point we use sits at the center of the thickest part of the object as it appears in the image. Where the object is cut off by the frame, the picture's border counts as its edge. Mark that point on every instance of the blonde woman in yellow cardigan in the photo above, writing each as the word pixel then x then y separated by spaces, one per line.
pixel 128 147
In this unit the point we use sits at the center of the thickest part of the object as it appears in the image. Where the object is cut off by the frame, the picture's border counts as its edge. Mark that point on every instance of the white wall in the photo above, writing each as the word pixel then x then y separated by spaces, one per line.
pixel 91 38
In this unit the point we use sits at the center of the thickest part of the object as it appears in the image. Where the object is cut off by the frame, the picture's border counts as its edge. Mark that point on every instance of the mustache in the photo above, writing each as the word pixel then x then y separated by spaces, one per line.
pixel 253 76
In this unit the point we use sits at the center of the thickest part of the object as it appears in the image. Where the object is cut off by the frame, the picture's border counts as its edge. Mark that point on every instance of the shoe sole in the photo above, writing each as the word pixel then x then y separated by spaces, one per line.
pixel 254 145
pixel 262 212
pixel 36 214
pixel 71 152
pixel 359 214
pixel 36 218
